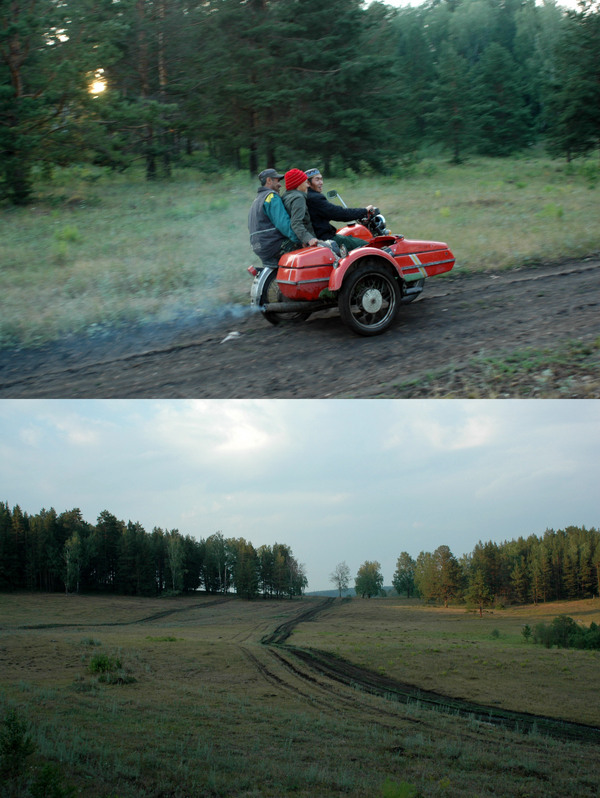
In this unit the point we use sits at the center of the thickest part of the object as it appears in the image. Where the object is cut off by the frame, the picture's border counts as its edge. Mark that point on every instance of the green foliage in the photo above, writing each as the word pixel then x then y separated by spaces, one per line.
pixel 438 576
pixel 502 116
pixel 369 579
pixel 404 576
pixel 69 234
pixel 573 92
pixel 112 556
pixel 393 789
pixel 526 632
pixel 109 670
pixel 50 782
pixel 16 746
pixel 478 592
pixel 162 639
pixel 564 632
pixel 239 85
pixel 103 663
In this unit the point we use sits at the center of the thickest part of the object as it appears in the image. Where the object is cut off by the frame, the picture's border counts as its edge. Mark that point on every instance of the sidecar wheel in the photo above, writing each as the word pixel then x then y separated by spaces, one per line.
pixel 368 299
pixel 271 293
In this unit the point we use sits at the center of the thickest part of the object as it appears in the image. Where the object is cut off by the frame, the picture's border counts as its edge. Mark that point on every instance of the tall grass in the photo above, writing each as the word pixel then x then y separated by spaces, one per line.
pixel 97 249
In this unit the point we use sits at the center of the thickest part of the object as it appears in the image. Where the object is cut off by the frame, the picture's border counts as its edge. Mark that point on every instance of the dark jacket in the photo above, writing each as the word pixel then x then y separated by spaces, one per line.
pixel 321 211
pixel 269 225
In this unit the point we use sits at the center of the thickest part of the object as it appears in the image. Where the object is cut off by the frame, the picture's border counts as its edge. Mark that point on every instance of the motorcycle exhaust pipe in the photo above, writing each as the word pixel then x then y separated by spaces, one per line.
pixel 298 306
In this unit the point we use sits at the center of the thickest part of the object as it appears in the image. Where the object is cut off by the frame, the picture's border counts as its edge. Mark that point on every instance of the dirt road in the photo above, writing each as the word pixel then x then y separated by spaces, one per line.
pixel 328 671
pixel 456 319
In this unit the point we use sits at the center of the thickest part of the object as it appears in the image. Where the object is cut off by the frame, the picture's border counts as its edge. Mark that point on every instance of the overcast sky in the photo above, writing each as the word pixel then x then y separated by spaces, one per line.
pixel 335 480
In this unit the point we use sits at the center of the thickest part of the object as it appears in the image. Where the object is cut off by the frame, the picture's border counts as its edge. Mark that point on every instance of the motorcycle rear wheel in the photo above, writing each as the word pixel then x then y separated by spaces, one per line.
pixel 271 293
pixel 368 299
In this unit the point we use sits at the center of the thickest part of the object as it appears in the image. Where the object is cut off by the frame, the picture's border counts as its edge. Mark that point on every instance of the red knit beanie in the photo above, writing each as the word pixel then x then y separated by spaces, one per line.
pixel 293 178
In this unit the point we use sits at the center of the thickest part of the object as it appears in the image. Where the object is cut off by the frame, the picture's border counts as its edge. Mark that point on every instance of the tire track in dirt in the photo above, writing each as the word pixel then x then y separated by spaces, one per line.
pixel 281 633
pixel 154 617
pixel 317 663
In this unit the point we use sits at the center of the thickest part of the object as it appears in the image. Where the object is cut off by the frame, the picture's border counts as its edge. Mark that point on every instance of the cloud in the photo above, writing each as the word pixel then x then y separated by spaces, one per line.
pixel 205 429
pixel 353 480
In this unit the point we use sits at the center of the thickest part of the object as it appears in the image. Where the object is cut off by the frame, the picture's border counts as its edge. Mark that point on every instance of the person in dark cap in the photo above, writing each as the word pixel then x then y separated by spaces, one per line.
pixel 271 232
pixel 321 211
pixel 294 199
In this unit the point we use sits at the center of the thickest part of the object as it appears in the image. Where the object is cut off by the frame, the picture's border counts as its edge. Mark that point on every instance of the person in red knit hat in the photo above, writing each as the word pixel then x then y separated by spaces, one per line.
pixel 294 199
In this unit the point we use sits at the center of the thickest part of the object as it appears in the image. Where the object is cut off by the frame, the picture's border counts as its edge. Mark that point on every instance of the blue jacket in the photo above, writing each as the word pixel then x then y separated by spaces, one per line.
pixel 269 225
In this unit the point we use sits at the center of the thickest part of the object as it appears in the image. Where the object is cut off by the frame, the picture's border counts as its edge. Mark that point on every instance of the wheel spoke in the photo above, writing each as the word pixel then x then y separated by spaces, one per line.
pixel 378 286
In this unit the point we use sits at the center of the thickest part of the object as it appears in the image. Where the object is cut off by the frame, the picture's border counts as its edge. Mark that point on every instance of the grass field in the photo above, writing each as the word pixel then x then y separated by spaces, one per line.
pixel 200 707
pixel 98 249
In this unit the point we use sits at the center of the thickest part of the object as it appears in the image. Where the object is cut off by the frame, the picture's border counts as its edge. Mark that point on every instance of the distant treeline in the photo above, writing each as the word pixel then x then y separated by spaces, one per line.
pixel 563 564
pixel 52 552
pixel 230 84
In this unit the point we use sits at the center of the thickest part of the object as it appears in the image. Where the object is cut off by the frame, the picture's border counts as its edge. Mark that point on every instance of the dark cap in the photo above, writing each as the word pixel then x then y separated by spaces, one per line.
pixel 269 173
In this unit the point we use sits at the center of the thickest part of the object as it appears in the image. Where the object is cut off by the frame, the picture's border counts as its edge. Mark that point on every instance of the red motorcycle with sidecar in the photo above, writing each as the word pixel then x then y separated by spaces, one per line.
pixel 367 284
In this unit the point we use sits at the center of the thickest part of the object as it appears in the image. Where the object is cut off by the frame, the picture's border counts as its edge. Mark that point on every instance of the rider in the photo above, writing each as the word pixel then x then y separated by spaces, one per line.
pixel 294 199
pixel 271 232
pixel 321 211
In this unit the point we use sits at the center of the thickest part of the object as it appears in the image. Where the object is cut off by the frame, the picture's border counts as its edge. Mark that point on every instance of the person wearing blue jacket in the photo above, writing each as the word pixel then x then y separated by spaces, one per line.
pixel 269 224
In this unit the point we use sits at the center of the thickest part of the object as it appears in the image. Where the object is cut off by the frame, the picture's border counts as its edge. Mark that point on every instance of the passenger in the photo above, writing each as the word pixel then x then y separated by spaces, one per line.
pixel 294 199
pixel 321 211
pixel 271 233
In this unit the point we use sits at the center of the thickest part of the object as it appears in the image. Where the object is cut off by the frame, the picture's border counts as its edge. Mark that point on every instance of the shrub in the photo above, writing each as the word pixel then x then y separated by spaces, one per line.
pixel 15 746
pixel 69 233
pixel 49 783
pixel 542 634
pixel 110 670
pixel 564 632
pixel 102 663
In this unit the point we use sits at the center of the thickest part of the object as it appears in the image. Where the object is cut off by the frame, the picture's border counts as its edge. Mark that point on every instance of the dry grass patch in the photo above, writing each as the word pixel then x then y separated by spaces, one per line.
pixel 212 712
pixel 454 652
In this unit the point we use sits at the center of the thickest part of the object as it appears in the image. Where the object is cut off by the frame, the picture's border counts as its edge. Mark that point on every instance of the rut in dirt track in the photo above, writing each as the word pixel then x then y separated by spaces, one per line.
pixel 147 619
pixel 458 317
pixel 348 674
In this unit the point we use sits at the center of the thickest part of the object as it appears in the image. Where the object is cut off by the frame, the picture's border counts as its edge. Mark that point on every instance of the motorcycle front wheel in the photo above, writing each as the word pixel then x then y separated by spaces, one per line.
pixel 368 299
pixel 271 293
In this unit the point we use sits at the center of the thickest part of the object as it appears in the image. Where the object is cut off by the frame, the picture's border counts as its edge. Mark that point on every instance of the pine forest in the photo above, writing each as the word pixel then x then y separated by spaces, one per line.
pixel 241 84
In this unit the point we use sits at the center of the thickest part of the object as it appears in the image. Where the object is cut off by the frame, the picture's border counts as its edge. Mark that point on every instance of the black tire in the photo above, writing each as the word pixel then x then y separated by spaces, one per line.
pixel 271 293
pixel 369 298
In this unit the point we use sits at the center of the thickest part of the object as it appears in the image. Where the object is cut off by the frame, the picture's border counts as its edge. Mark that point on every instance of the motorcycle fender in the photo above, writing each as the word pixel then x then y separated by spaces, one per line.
pixel 258 285
pixel 337 276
